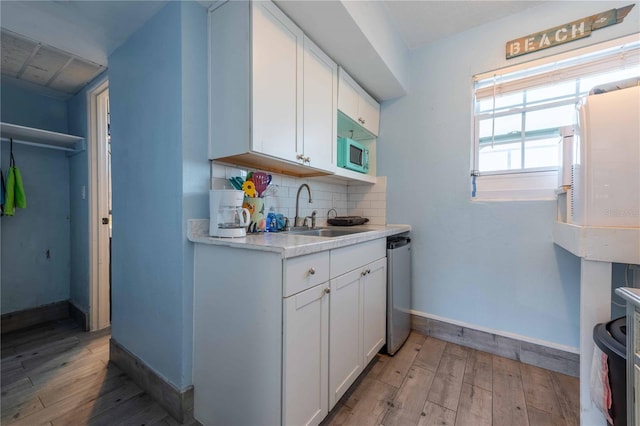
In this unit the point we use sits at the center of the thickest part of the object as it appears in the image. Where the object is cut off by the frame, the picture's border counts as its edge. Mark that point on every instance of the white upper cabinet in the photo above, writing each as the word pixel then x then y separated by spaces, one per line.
pixel 277 82
pixel 273 94
pixel 319 110
pixel 357 104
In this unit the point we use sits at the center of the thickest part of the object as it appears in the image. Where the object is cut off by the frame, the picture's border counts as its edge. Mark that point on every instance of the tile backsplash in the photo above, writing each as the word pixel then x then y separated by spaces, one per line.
pixel 354 199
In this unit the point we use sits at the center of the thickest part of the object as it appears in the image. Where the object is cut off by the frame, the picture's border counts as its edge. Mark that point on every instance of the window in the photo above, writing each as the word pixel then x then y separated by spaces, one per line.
pixel 519 112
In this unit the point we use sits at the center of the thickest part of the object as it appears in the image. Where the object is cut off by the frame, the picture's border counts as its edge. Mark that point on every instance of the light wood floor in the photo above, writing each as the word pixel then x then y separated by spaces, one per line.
pixel 55 374
pixel 432 382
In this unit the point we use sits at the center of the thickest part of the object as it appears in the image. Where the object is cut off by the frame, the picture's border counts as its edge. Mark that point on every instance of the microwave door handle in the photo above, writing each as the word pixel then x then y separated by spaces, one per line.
pixel 365 160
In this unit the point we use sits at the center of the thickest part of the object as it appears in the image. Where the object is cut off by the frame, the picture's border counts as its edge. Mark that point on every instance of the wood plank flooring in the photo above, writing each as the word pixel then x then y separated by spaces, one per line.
pixel 55 374
pixel 432 382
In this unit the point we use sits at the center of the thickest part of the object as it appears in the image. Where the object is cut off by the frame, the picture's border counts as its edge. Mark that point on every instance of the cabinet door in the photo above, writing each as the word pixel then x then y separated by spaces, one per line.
pixel 306 356
pixel 348 95
pixel 369 112
pixel 345 335
pixel 374 306
pixel 277 82
pixel 320 107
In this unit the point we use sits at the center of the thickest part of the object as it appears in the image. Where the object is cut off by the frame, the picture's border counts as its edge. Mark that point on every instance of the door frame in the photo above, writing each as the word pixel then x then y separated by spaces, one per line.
pixel 99 286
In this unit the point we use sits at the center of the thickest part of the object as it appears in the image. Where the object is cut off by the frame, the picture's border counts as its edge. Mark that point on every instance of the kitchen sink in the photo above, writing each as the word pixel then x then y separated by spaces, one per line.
pixel 326 232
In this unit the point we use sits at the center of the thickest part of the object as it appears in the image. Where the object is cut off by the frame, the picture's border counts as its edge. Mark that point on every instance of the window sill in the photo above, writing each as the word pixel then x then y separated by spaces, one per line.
pixel 517 187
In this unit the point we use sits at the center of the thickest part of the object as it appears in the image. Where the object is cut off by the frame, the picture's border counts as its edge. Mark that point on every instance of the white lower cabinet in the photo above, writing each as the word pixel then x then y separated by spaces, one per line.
pixel 306 356
pixel 357 313
pixel 374 306
pixel 345 334
pixel 281 346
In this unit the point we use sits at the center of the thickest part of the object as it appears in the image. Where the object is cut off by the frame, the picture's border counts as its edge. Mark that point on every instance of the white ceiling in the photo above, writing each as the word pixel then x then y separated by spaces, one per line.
pixel 92 30
pixel 421 22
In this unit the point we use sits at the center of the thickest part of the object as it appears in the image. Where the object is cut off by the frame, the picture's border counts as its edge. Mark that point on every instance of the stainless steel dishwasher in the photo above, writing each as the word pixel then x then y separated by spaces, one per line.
pixel 398 291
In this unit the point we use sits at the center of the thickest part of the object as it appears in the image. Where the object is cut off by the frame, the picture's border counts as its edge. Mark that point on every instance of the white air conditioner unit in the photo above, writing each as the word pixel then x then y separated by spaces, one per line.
pixel 605 189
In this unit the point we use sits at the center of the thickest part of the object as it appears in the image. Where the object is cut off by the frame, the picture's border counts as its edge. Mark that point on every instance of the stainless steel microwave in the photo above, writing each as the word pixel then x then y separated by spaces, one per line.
pixel 353 155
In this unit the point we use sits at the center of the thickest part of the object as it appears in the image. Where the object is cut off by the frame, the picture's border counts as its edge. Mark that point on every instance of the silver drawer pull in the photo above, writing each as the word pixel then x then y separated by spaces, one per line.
pixel 363 273
pixel 312 271
pixel 327 290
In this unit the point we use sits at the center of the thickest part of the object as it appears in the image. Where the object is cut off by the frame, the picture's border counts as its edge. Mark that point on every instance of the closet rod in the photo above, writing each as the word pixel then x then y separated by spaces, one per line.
pixel 40 145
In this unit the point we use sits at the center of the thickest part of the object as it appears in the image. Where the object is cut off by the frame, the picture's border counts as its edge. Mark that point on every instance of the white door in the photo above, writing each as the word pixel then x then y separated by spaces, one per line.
pixel 100 208
pixel 345 338
pixel 374 302
pixel 306 356
pixel 277 82
pixel 320 107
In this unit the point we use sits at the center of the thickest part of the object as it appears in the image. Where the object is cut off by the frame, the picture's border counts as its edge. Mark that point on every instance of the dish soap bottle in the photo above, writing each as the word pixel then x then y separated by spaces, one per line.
pixel 271 221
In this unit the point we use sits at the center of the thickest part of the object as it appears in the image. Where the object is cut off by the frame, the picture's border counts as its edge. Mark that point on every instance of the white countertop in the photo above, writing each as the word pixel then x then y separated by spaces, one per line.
pixel 631 295
pixel 620 245
pixel 291 245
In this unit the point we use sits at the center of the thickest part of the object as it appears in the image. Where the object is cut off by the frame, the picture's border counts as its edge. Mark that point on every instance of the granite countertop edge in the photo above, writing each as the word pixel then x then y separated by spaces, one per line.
pixel 290 245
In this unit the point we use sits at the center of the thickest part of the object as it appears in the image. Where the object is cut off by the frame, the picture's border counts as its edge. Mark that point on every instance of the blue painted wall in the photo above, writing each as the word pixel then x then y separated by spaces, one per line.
pixel 488 264
pixel 30 277
pixel 27 108
pixel 195 166
pixel 157 130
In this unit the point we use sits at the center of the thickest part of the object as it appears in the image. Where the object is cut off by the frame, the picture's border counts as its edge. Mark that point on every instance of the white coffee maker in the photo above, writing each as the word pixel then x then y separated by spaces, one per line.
pixel 227 216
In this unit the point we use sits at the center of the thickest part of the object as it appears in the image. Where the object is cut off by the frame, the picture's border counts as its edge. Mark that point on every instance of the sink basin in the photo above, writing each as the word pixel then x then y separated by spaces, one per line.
pixel 327 232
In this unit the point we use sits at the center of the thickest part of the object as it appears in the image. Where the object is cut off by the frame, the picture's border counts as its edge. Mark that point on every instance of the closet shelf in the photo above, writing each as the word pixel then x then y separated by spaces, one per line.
pixel 42 138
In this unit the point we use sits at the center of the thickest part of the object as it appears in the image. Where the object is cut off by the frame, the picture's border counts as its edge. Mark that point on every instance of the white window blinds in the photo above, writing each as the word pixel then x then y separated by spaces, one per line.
pixel 620 57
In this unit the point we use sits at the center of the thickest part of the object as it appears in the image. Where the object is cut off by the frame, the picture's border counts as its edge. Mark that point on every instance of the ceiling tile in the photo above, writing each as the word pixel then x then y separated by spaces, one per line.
pixel 75 76
pixel 15 51
pixel 44 65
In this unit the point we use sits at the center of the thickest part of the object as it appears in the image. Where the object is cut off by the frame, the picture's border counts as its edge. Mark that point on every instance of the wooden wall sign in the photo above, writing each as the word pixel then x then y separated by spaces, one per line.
pixel 565 33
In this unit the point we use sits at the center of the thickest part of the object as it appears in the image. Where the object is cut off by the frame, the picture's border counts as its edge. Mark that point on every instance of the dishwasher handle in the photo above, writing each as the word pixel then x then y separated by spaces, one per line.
pixel 397 242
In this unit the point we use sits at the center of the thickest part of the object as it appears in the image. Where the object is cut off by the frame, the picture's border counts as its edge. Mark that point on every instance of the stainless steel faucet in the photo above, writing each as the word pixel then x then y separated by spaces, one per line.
pixel 313 219
pixel 296 219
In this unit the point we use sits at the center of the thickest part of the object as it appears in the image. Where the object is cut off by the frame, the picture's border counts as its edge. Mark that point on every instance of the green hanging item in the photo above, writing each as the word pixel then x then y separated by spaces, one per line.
pixel 21 198
pixel 9 194
pixel 14 192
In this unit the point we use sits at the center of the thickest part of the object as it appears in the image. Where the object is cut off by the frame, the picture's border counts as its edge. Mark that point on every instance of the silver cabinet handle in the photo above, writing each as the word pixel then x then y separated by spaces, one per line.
pixel 363 273
pixel 300 157
pixel 312 271
pixel 327 290
pixel 368 271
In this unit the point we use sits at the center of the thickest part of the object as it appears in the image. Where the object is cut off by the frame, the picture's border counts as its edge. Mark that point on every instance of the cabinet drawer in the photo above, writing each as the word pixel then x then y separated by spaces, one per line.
pixel 301 273
pixel 347 259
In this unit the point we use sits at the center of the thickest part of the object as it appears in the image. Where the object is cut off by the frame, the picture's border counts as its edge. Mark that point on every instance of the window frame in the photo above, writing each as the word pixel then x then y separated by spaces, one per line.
pixel 583 61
